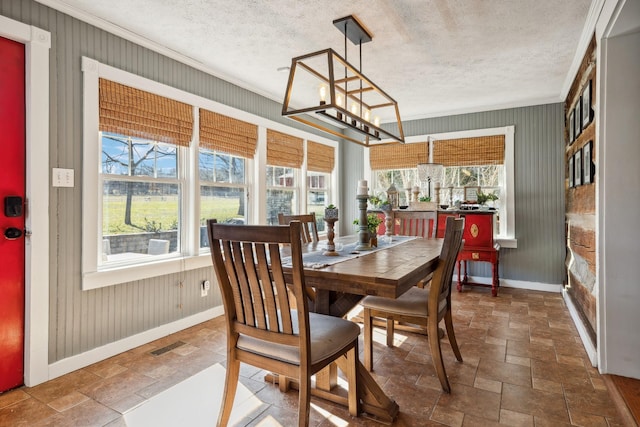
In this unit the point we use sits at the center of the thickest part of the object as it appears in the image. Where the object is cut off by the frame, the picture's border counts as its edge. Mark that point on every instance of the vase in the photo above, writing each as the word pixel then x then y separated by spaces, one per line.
pixel 331 213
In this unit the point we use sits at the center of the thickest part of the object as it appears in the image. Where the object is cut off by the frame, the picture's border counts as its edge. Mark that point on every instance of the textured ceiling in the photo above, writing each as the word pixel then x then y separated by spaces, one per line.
pixel 434 57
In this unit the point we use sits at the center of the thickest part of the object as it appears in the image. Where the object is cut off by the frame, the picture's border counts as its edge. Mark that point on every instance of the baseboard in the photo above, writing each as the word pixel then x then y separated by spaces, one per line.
pixel 95 355
pixel 582 330
pixel 518 284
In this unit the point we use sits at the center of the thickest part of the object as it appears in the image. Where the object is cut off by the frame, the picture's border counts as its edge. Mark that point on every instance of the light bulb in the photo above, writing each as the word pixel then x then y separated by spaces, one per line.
pixel 323 94
pixel 376 123
pixel 367 114
pixel 354 111
pixel 340 104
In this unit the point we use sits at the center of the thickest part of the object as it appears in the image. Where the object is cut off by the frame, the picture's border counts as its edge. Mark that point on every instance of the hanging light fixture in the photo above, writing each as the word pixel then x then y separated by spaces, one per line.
pixel 326 84
pixel 430 173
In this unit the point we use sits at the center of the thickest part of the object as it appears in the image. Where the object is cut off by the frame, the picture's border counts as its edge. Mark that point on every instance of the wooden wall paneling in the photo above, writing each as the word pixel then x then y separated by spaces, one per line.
pixel 581 204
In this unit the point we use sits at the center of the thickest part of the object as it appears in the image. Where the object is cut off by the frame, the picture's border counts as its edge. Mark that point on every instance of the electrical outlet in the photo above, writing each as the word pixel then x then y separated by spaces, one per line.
pixel 204 288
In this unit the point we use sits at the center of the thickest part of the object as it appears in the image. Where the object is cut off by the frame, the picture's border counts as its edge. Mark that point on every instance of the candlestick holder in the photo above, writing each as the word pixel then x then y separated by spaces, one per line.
pixel 388 223
pixel 331 247
pixel 364 240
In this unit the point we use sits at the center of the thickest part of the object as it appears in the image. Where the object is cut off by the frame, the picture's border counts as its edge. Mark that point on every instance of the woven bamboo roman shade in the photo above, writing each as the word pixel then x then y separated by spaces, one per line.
pixel 320 157
pixel 398 156
pixel 226 134
pixel 483 150
pixel 134 112
pixel 284 150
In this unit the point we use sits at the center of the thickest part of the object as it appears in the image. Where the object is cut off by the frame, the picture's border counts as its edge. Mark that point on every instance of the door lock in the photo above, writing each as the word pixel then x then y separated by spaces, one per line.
pixel 12 233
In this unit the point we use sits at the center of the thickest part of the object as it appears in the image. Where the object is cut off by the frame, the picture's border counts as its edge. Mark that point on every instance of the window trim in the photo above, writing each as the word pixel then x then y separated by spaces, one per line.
pixel 191 257
pixel 507 239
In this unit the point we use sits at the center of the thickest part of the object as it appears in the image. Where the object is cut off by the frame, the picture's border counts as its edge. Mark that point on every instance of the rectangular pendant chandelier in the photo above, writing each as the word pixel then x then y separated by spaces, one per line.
pixel 324 83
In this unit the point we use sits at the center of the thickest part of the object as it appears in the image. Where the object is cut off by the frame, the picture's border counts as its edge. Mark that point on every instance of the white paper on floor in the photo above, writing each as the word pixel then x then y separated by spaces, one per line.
pixel 194 402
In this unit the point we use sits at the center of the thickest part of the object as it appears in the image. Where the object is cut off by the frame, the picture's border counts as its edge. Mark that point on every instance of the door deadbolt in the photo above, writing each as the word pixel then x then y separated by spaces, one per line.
pixel 12 233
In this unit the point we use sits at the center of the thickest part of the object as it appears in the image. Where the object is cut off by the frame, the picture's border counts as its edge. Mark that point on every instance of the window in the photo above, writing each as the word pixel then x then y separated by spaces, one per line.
pixel 141 199
pixel 320 165
pixel 318 196
pixel 284 159
pixel 225 147
pixel 481 158
pixel 158 162
pixel 223 190
pixel 403 179
pixel 396 164
pixel 282 192
pixel 488 177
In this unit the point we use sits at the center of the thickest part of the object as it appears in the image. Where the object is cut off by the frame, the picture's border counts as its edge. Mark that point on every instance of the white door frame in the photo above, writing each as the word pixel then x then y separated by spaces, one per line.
pixel 36 344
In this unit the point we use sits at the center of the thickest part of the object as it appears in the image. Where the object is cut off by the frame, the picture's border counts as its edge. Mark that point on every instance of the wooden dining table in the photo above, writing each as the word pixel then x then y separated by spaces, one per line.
pixel 337 288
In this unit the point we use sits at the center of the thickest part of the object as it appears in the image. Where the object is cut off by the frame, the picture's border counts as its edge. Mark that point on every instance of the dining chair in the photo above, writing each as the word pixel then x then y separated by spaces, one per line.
pixel 416 223
pixel 263 328
pixel 309 227
pixel 419 224
pixel 425 307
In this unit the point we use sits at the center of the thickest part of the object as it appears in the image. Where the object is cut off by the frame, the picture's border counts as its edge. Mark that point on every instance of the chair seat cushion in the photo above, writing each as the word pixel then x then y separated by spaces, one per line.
pixel 328 335
pixel 411 303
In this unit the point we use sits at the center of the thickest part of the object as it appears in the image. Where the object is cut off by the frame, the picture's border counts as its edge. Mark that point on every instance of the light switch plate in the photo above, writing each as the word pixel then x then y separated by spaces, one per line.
pixel 62 177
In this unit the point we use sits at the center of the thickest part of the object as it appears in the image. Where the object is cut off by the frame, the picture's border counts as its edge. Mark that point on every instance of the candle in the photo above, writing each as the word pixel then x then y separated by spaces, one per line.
pixel 363 189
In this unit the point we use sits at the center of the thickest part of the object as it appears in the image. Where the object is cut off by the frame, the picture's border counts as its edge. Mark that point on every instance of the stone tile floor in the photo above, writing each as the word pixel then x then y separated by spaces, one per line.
pixel 524 365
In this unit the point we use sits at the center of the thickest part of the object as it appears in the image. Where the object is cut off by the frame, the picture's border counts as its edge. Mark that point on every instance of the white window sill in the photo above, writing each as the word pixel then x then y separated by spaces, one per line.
pixel 507 242
pixel 129 273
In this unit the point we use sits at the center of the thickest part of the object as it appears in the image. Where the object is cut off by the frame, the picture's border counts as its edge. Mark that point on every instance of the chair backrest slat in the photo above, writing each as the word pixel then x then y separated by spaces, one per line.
pixel 241 272
pixel 270 304
pixel 254 280
pixel 233 281
pixel 281 293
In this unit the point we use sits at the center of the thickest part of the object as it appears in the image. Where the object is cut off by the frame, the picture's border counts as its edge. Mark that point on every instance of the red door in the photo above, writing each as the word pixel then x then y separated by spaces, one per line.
pixel 12 184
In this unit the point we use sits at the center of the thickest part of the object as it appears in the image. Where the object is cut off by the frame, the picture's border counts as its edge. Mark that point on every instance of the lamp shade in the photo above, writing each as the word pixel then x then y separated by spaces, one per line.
pixel 433 172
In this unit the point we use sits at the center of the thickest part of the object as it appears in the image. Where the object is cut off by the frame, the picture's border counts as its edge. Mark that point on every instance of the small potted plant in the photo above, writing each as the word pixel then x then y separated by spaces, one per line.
pixel 385 206
pixel 375 201
pixel 424 203
pixel 484 198
pixel 331 212
pixel 373 221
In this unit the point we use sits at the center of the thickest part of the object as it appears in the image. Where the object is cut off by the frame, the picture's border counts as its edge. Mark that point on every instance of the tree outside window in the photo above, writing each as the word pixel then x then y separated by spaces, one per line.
pixel 141 198
pixel 222 190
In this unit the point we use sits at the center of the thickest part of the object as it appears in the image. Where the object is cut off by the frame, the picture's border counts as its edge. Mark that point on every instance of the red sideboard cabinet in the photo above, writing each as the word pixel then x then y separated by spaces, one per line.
pixel 478 243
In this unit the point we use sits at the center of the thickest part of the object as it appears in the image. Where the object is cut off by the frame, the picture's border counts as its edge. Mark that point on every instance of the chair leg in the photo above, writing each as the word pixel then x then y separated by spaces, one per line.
pixel 390 331
pixel 230 386
pixel 368 340
pixel 304 399
pixel 448 322
pixel 352 380
pixel 436 354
